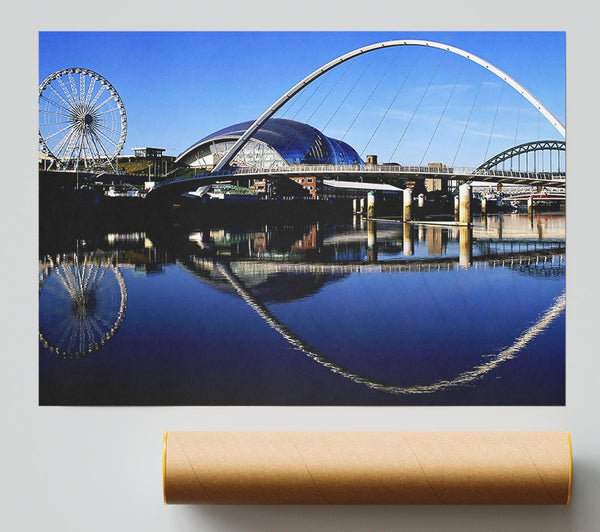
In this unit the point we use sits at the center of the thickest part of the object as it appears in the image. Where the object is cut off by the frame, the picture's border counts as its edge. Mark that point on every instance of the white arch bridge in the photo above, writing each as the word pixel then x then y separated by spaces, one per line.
pixel 224 170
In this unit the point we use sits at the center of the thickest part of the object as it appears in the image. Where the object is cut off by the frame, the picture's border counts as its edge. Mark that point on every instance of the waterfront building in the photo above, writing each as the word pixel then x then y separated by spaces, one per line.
pixel 280 143
pixel 151 162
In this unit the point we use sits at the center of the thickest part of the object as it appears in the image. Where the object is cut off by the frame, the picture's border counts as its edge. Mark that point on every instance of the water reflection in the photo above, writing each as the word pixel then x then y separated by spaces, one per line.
pixel 82 303
pixel 83 294
pixel 466 377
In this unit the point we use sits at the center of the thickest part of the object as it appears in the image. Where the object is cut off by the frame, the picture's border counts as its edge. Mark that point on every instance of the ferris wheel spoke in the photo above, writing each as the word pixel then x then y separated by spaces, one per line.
pixel 58 95
pixel 79 153
pixel 104 102
pixel 95 141
pixel 85 152
pixel 59 131
pixel 108 129
pixel 94 157
pixel 102 89
pixel 81 88
pixel 106 112
pixel 48 124
pixel 66 91
pixel 97 132
pixel 90 91
pixel 54 104
pixel 62 144
pixel 73 144
pixel 73 86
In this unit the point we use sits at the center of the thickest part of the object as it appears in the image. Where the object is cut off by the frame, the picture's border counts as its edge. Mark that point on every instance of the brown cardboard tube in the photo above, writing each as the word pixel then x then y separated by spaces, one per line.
pixel 367 468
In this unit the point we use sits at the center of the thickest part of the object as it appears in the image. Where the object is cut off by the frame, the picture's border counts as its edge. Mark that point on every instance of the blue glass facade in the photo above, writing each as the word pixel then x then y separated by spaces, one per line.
pixel 295 142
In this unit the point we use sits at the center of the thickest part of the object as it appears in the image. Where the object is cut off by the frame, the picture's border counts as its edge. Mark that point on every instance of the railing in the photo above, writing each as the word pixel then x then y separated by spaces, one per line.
pixel 372 169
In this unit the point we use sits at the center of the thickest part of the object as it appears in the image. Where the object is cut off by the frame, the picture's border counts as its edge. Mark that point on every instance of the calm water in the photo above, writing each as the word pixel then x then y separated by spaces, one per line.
pixel 354 314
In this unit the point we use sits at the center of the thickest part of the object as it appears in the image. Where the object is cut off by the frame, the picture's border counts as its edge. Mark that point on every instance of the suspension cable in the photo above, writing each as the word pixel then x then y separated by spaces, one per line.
pixel 416 109
pixel 468 121
pixel 485 157
pixel 442 115
pixel 309 98
pixel 370 95
pixel 389 107
pixel 349 92
pixel 328 93
pixel 291 139
pixel 518 119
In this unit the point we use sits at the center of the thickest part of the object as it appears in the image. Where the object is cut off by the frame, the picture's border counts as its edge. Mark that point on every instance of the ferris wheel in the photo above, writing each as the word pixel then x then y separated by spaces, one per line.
pixel 82 303
pixel 82 120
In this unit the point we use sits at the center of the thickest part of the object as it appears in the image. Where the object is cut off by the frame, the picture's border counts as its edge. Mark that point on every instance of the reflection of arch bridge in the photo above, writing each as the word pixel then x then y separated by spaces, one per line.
pixel 224 170
pixel 492 361
pixel 549 257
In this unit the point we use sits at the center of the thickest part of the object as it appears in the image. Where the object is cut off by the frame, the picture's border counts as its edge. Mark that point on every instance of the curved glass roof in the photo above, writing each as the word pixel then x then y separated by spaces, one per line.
pixel 295 141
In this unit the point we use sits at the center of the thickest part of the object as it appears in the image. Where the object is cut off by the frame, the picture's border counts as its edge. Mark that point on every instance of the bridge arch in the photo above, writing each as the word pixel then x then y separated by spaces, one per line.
pixel 258 123
pixel 528 147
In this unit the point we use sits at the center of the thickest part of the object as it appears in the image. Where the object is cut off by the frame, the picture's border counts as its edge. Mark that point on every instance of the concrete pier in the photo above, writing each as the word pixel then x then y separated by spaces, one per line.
pixel 354 206
pixel 530 205
pixel 372 241
pixel 464 211
pixel 456 208
pixel 407 204
pixel 371 204
pixel 408 241
pixel 465 246
pixel 421 205
pixel 362 206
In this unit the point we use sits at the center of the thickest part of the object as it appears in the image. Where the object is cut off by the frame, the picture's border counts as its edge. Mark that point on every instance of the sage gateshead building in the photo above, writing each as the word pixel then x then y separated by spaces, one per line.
pixel 279 143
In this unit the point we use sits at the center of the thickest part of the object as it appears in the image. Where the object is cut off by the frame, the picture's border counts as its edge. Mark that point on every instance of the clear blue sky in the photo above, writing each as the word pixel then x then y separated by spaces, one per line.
pixel 179 87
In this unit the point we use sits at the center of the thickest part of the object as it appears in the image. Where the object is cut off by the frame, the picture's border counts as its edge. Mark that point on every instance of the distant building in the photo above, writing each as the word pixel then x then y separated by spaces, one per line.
pixel 279 143
pixel 149 161
pixel 436 184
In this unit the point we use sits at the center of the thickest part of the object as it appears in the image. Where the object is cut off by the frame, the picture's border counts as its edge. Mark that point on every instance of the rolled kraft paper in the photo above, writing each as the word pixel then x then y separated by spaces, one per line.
pixel 367 467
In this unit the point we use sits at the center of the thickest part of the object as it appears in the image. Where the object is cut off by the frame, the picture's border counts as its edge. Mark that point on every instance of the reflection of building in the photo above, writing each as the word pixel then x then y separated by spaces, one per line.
pixel 308 240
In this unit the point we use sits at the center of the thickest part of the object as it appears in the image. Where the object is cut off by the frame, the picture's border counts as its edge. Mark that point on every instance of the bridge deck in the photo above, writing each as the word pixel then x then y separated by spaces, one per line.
pixel 359 172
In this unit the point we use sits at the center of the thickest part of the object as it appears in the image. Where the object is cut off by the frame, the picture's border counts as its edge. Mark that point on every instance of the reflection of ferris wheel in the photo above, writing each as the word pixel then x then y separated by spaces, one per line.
pixel 82 120
pixel 82 304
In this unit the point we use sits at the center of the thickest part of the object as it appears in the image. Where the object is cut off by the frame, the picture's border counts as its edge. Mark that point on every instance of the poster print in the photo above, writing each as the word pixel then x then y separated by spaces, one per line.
pixel 302 218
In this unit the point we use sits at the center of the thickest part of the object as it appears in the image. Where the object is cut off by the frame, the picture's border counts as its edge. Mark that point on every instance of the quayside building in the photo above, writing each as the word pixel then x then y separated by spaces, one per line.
pixel 280 143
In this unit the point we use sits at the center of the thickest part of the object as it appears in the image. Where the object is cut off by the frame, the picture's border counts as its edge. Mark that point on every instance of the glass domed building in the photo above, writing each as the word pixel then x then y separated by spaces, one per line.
pixel 279 143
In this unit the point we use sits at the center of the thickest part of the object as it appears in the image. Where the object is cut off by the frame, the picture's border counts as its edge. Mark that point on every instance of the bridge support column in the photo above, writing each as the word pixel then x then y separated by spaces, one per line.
pixel 408 242
pixel 465 246
pixel 361 206
pixel 372 241
pixel 407 196
pixel 464 194
pixel 371 204
pixel 499 188
pixel 354 206
pixel 483 206
pixel 530 205
pixel 421 204
pixel 456 204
